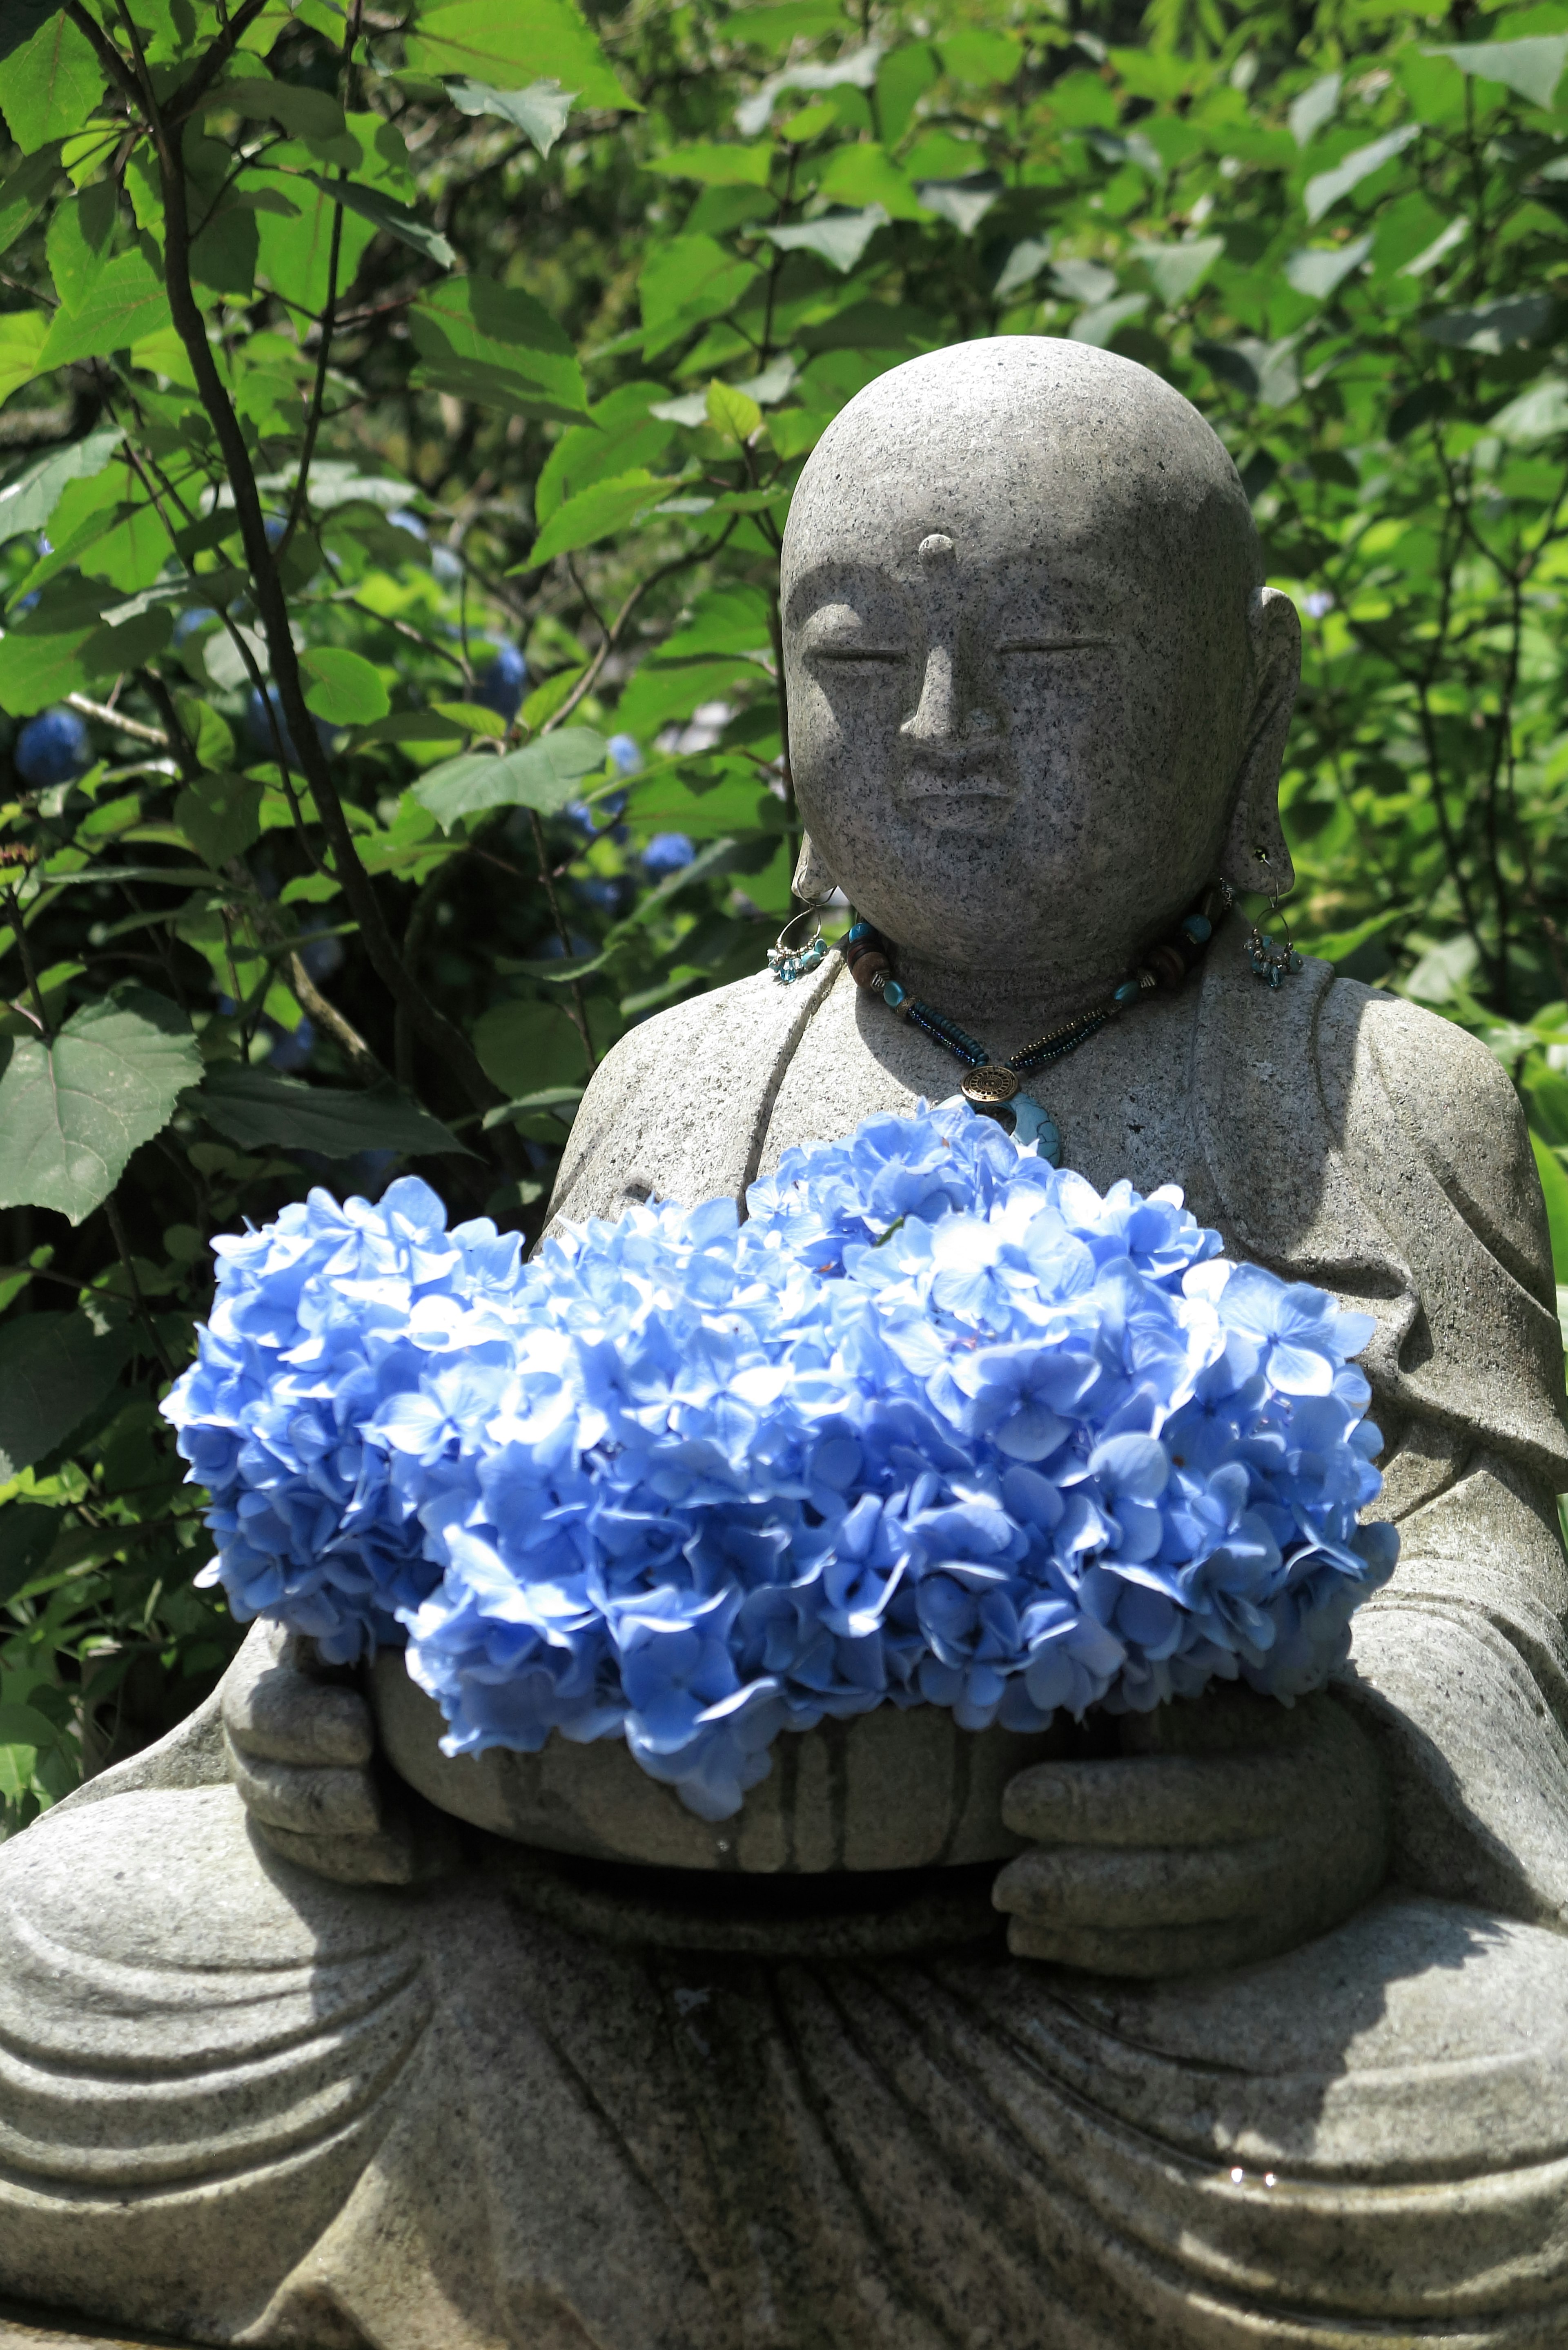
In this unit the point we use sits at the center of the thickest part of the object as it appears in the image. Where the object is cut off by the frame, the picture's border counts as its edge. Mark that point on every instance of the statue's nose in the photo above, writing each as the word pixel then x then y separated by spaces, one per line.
pixel 945 716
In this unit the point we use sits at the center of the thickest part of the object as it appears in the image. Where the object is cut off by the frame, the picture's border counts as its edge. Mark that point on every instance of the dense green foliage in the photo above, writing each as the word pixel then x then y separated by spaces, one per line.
pixel 337 351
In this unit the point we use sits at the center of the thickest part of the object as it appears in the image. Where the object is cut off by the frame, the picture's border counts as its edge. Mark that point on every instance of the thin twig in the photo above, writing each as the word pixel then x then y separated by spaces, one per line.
pixel 143 1314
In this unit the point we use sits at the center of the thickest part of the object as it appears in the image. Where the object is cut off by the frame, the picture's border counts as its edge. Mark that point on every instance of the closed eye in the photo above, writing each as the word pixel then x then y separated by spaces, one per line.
pixel 1050 644
pixel 888 653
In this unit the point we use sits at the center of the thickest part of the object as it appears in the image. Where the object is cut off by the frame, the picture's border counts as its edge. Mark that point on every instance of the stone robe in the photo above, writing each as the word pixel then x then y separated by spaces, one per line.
pixel 511 2108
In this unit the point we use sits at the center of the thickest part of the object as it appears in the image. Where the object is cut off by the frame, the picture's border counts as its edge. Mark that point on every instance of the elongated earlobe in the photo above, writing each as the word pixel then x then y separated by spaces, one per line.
pixel 813 881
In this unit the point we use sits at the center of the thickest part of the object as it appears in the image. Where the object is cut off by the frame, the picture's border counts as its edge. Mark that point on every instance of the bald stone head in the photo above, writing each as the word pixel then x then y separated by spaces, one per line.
pixel 1038 692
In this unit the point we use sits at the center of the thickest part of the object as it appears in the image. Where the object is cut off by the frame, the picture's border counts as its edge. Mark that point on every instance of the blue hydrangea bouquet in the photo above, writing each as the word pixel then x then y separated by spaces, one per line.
pixel 936 1425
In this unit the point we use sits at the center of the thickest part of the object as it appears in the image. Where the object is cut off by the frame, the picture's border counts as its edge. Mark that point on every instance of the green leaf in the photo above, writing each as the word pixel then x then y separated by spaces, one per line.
pixel 1496 326
pixel 622 434
pixel 1536 415
pixel 28 501
pixel 23 334
pixel 731 412
pixel 597 514
pixel 258 1109
pixel 49 86
pixel 1554 1184
pixel 962 203
pixel 1313 108
pixel 715 166
pixel 295 255
pixel 55 1369
pixel 1326 189
pixel 72 1109
pixel 344 688
pixel 303 112
pixel 690 279
pixel 511 47
pixel 528 1047
pixel 27 1530
pixel 25 195
pixel 981 56
pixel 126 303
pixel 540 112
pixel 220 815
pixel 1022 266
pixel 80 234
pixel 546 775
pixel 485 341
pixel 1530 67
pixel 837 238
pixel 383 212
pixel 1319 273
pixel 1177 270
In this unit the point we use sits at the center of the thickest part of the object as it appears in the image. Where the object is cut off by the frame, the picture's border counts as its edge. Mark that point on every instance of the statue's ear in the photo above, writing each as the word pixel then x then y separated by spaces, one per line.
pixel 812 879
pixel 1255 856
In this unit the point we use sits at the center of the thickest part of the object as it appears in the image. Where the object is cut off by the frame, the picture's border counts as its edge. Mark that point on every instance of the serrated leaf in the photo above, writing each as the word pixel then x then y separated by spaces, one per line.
pixel 126 303
pixel 686 281
pixel 342 687
pixel 55 1369
pixel 964 203
pixel 50 85
pixel 383 212
pixel 545 775
pixel 732 411
pixel 494 343
pixel 25 195
pixel 837 238
pixel 511 47
pixel 598 512
pixel 539 111
pixel 74 1108
pixel 257 1108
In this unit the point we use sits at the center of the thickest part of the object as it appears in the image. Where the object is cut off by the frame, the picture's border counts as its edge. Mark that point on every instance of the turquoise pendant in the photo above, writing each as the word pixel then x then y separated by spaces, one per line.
pixel 1033 1122
pixel 1021 1115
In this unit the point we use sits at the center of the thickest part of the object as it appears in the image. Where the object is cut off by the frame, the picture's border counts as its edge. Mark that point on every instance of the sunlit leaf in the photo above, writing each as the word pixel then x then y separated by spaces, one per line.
pixel 24 192
pixel 1532 67
pixel 1325 191
pixel 546 775
pixel 342 687
pixel 126 301
pixel 837 238
pixel 598 512
pixel 72 1109
pixel 50 85
pixel 514 47
pixel 382 212
pixel 540 112
pixel 494 343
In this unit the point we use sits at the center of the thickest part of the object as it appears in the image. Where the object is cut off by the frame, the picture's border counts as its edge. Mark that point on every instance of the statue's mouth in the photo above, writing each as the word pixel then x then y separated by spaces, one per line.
pixel 964 797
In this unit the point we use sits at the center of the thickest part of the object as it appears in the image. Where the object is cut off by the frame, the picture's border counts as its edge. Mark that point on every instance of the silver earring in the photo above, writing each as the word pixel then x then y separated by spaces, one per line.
pixel 790 963
pixel 1272 960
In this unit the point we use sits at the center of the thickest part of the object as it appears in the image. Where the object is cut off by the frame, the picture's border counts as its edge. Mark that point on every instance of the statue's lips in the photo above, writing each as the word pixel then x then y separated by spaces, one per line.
pixel 969 797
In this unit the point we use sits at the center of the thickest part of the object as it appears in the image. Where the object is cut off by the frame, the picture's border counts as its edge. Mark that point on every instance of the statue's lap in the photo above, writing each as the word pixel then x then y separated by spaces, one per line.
pixel 182 2125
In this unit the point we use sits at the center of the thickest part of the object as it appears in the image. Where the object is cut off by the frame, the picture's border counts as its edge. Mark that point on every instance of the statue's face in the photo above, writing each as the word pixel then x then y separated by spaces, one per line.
pixel 1015 713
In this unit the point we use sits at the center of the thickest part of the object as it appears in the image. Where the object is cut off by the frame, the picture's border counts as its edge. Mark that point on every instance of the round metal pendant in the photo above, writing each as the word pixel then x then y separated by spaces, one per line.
pixel 987 1085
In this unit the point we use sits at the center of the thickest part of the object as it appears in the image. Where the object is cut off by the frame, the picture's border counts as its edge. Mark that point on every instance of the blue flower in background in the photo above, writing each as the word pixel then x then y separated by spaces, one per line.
pixel 53 748
pixel 666 852
pixel 500 684
pixel 937 1424
pixel 260 711
pixel 625 753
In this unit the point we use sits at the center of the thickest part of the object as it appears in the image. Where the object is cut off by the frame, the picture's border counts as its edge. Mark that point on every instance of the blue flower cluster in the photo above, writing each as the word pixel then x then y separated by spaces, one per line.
pixel 937 1424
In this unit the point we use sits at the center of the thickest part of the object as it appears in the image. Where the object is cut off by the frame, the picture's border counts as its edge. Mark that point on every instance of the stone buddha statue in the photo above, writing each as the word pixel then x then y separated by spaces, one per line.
pixel 1270 2046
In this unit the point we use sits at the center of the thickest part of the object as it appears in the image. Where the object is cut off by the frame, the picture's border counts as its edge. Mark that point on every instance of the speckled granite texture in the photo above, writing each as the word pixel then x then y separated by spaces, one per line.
pixel 1261 2043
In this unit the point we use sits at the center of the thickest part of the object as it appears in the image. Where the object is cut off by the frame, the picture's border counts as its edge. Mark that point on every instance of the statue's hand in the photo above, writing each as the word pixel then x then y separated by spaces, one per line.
pixel 1228 1830
pixel 300 1751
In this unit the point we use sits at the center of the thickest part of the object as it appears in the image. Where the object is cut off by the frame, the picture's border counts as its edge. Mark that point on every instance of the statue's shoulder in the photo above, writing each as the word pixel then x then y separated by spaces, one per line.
pixel 678 1108
pixel 1411 1091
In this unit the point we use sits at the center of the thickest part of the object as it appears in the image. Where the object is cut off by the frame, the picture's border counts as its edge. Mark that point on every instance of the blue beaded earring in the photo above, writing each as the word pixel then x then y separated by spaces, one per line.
pixel 1272 960
pixel 790 963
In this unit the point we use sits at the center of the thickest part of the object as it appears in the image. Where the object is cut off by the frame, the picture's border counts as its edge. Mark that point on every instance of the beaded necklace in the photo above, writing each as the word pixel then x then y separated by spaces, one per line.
pixel 993 1088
